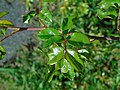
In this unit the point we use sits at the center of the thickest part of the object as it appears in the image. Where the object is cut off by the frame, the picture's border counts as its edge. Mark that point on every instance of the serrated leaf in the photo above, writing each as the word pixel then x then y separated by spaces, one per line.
pixel 45 13
pixel 2 53
pixel 53 39
pixel 74 63
pixel 47 33
pixel 58 57
pixel 29 16
pixel 80 38
pixel 6 23
pixel 3 14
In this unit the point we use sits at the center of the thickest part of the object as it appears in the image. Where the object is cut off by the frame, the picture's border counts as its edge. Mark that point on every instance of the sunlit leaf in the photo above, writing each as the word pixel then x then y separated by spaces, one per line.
pixel 58 57
pixel 76 65
pixel 6 23
pixel 83 51
pixel 80 38
pixel 47 33
pixel 76 56
pixel 65 66
pixel 2 53
pixel 29 16
pixel 3 14
pixel 55 51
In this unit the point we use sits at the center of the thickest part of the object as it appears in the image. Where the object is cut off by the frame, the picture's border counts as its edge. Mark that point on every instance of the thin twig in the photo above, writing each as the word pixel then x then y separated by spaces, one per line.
pixel 35 29
pixel 43 24
pixel 9 35
pixel 104 38
pixel 22 28
pixel 18 29
pixel 25 28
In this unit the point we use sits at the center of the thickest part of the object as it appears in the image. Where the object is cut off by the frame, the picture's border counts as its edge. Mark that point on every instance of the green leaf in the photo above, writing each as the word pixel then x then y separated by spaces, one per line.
pixel 53 39
pixel 45 13
pixel 51 74
pixel 105 4
pixel 70 22
pixel 29 16
pixel 2 53
pixel 71 73
pixel 76 56
pixel 3 14
pixel 64 25
pixel 2 32
pixel 6 23
pixel 74 63
pixel 49 0
pixel 74 43
pixel 80 38
pixel 55 51
pixel 47 33
pixel 58 57
pixel 107 8
pixel 101 14
pixel 106 14
pixel 65 66
pixel 67 24
pixel 59 64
